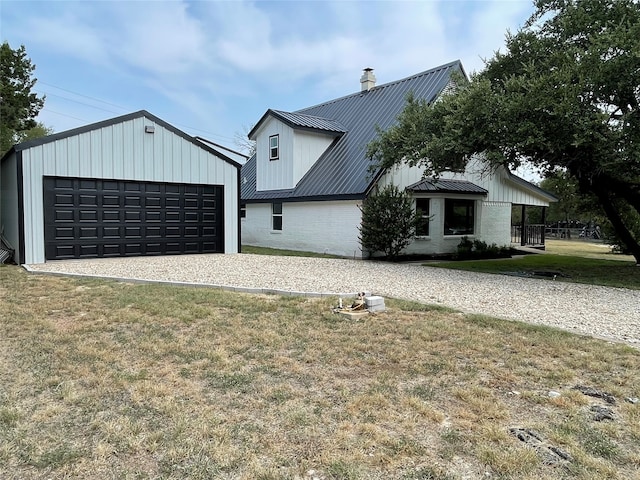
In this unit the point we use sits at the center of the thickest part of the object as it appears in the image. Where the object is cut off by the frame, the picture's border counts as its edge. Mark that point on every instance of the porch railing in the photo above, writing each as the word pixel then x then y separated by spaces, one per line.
pixel 530 236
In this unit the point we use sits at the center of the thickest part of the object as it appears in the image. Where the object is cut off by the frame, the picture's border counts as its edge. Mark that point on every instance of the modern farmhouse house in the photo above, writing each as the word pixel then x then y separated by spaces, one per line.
pixel 303 187
pixel 132 185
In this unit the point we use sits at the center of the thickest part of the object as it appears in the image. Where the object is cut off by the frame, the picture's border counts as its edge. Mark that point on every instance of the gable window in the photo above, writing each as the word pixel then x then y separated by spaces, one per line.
pixel 422 210
pixel 274 147
pixel 276 216
pixel 459 216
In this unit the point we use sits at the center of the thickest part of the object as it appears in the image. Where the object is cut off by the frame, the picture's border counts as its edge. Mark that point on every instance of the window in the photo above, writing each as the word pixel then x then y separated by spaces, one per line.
pixel 422 209
pixel 274 147
pixel 243 210
pixel 458 216
pixel 276 216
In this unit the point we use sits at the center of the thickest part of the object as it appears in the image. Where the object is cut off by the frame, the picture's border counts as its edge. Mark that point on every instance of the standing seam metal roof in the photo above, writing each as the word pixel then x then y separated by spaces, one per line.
pixel 297 120
pixel 443 185
pixel 344 169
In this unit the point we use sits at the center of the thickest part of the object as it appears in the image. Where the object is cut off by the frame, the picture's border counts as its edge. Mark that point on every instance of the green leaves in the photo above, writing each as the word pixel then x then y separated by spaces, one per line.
pixel 565 96
pixel 388 222
pixel 19 106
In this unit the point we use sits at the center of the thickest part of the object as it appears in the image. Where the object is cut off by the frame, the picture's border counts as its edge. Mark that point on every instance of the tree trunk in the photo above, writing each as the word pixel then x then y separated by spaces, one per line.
pixel 621 230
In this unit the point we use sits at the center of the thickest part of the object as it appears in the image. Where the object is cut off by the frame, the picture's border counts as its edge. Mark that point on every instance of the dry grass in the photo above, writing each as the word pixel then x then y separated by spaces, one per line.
pixel 113 380
pixel 583 248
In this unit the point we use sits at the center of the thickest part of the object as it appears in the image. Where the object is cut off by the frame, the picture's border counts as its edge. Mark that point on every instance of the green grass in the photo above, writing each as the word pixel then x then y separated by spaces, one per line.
pixel 570 268
pixel 103 379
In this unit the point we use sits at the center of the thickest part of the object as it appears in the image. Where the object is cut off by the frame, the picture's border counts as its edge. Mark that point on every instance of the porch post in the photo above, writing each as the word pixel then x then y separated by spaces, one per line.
pixel 544 223
pixel 523 233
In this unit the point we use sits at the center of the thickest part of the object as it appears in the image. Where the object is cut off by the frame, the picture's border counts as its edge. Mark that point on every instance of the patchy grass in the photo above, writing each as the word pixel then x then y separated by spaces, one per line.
pixel 103 379
pixel 578 262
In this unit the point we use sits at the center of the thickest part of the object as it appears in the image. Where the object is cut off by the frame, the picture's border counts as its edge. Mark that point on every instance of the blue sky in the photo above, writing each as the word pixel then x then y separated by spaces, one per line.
pixel 212 68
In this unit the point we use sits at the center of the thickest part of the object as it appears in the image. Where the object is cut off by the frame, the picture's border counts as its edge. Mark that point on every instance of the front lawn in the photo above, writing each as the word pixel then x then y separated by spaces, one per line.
pixel 104 379
pixel 578 262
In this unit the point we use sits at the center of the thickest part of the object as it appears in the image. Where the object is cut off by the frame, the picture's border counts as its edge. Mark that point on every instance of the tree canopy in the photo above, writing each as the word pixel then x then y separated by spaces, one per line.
pixel 564 96
pixel 18 105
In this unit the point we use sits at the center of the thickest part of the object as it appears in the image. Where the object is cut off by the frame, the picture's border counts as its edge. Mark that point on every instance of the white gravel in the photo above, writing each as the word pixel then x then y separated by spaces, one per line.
pixel 610 313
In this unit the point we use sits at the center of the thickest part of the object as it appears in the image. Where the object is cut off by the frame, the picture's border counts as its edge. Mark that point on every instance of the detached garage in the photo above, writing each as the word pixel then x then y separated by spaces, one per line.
pixel 133 185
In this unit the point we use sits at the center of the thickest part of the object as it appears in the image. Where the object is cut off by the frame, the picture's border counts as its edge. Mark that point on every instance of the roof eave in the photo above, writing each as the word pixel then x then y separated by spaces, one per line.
pixel 536 190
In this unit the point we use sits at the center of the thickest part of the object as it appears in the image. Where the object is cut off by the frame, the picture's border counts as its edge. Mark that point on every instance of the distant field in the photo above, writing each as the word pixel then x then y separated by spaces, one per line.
pixel 584 249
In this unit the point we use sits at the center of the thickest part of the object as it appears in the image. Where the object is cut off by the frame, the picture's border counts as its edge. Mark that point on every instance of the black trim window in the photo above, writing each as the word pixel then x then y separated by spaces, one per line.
pixel 459 217
pixel 422 210
pixel 276 216
pixel 274 147
pixel 243 210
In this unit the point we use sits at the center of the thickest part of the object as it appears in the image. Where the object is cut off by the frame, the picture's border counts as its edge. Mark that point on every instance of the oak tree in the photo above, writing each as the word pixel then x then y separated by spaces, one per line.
pixel 563 97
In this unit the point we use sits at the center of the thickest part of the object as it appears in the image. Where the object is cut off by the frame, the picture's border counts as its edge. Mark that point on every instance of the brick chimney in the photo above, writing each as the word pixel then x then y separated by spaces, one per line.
pixel 367 80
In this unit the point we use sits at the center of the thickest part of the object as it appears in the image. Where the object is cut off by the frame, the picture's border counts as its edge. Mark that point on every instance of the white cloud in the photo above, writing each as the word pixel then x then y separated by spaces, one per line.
pixel 161 39
pixel 213 60
pixel 70 35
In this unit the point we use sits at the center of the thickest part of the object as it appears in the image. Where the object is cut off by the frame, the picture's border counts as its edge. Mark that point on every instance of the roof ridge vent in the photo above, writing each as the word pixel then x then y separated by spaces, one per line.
pixel 367 80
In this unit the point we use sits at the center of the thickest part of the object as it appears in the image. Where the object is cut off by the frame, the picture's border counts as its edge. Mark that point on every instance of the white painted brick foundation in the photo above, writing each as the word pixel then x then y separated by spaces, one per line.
pixel 323 227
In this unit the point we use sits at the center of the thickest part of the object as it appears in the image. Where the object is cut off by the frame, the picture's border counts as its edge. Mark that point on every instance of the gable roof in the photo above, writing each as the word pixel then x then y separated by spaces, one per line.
pixel 236 156
pixel 343 170
pixel 300 121
pixel 445 185
pixel 113 121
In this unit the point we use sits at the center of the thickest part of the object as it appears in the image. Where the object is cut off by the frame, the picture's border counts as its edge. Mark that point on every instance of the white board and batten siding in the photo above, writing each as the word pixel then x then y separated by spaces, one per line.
pixel 322 227
pixel 123 151
pixel 283 173
pixel 493 211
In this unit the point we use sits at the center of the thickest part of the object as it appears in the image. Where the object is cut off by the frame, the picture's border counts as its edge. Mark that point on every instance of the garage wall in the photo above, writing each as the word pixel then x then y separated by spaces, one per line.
pixel 9 216
pixel 123 151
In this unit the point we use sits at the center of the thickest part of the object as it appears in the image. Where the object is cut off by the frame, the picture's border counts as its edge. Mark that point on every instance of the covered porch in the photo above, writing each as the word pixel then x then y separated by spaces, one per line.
pixel 528 226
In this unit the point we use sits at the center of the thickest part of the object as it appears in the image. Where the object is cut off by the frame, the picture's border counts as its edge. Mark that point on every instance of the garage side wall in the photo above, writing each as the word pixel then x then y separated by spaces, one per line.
pixel 9 214
pixel 323 227
pixel 123 151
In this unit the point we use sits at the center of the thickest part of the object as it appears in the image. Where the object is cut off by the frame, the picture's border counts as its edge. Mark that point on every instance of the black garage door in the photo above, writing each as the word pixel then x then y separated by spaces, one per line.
pixel 87 218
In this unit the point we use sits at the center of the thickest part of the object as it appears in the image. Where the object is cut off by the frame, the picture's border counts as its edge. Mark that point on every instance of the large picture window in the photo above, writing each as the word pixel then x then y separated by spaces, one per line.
pixel 274 147
pixel 459 217
pixel 422 210
pixel 276 216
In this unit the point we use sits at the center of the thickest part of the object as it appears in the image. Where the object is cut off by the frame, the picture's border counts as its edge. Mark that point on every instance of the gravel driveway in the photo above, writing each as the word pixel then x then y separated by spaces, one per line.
pixel 610 313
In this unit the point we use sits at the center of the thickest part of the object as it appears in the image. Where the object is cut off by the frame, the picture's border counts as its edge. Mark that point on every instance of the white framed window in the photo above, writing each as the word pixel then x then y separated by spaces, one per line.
pixel 459 216
pixel 422 209
pixel 243 210
pixel 274 147
pixel 276 216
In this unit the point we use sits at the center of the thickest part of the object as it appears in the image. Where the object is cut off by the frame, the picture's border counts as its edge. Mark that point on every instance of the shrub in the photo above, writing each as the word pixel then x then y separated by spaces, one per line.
pixel 388 222
pixel 478 249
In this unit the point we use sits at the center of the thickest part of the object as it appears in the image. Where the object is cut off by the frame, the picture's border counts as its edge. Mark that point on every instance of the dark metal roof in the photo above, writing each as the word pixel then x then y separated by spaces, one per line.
pixel 113 121
pixel 442 185
pixel 299 120
pixel 343 169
